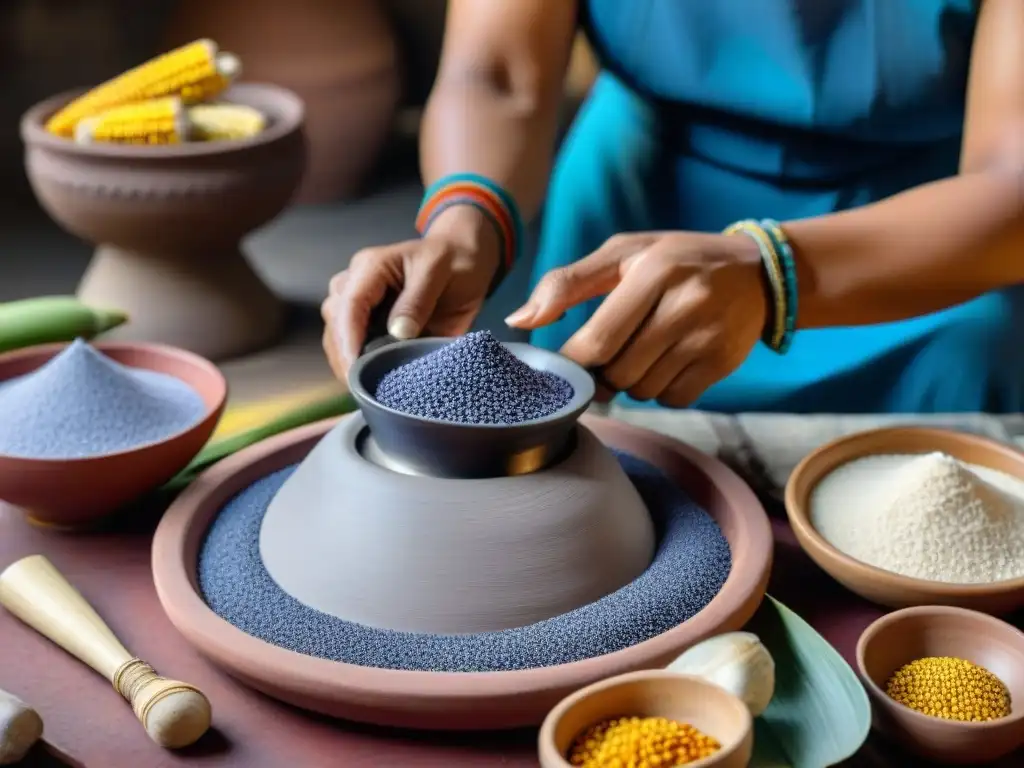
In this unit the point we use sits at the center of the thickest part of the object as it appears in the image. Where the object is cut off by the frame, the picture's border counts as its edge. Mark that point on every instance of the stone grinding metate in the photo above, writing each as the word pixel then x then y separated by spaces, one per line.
pixel 690 566
pixel 82 404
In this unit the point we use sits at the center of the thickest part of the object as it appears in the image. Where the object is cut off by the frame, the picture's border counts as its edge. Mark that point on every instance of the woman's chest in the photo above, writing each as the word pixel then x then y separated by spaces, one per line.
pixel 874 69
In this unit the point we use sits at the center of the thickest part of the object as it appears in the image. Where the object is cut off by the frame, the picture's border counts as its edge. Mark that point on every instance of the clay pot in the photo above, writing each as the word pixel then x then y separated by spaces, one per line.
pixel 914 633
pixel 875 584
pixel 168 221
pixel 71 493
pixel 419 25
pixel 341 58
pixel 655 693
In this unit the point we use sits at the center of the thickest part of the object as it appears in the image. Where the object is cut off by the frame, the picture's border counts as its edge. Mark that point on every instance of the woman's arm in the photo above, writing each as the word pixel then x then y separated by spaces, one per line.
pixel 495 104
pixel 942 243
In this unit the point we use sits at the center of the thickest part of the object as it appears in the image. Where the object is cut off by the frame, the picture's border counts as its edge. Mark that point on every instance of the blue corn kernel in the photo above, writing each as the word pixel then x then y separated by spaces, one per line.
pixel 473 380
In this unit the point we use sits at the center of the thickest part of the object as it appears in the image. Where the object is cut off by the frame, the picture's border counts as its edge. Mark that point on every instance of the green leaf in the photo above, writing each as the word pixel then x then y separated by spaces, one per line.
pixel 820 714
pixel 214 451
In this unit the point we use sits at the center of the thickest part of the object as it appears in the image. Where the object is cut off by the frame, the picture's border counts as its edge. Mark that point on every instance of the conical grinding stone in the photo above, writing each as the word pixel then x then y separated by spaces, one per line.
pixel 423 554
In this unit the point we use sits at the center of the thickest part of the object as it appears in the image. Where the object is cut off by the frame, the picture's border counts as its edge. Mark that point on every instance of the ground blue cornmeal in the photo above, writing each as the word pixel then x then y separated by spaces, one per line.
pixel 473 380
pixel 82 404
pixel 691 564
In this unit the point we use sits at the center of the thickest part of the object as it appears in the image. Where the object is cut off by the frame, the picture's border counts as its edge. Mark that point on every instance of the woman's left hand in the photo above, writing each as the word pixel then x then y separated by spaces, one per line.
pixel 683 311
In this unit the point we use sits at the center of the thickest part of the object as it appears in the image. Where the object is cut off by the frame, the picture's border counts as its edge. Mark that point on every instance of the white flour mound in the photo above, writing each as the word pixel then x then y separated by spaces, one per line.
pixel 927 516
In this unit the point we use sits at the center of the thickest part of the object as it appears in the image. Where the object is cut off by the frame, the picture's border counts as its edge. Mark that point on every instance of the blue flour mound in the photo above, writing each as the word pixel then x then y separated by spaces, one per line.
pixel 82 404
pixel 690 566
pixel 473 380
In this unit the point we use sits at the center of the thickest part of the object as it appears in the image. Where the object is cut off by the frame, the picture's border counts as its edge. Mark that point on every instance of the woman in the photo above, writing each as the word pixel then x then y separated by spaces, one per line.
pixel 884 135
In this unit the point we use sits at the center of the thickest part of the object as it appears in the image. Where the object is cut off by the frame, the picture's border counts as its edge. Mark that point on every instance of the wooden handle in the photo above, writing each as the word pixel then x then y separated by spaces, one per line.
pixel 174 714
pixel 34 591
pixel 20 728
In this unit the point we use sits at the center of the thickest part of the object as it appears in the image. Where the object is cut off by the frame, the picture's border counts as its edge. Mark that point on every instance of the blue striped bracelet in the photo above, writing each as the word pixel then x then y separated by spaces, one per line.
pixel 494 202
pixel 502 196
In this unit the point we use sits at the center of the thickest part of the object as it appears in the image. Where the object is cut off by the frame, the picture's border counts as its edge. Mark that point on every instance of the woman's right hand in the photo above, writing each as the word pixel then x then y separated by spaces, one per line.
pixel 440 281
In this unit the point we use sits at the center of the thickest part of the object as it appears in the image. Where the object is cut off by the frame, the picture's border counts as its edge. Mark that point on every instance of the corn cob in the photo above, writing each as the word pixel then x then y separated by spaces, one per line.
pixel 156 121
pixel 194 72
pixel 214 122
pixel 50 319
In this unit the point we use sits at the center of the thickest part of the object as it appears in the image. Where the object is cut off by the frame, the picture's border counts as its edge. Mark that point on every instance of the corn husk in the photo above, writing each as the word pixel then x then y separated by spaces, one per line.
pixel 266 420
pixel 249 415
pixel 820 714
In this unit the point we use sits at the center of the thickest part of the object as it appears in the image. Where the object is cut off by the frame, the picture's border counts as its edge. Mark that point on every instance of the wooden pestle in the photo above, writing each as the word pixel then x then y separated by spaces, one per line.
pixel 173 713
pixel 20 728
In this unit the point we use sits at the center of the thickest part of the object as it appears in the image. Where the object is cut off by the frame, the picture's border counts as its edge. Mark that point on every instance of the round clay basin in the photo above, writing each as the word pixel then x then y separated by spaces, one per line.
pixel 448 700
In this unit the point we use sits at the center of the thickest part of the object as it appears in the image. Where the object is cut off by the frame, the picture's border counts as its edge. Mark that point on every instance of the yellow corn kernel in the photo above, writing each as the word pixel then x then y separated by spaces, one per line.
pixel 194 72
pixel 155 121
pixel 215 122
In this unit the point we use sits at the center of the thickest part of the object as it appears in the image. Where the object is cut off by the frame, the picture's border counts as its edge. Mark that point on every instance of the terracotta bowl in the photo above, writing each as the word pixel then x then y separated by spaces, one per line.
pixel 167 222
pixel 448 700
pixel 73 492
pixel 913 633
pixel 654 693
pixel 878 585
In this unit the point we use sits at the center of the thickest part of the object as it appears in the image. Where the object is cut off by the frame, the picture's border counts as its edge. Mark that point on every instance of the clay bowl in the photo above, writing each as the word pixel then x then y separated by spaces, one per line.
pixel 471 450
pixel 878 585
pixel 913 633
pixel 653 693
pixel 69 493
pixel 448 700
pixel 167 222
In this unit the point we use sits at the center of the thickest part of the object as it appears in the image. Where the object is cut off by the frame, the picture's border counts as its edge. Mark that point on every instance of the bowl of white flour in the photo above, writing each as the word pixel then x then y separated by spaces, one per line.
pixel 909 516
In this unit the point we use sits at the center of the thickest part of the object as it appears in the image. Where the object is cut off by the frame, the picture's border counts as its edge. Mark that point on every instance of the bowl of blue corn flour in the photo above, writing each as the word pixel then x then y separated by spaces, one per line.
pixel 85 429
pixel 338 569
pixel 497 408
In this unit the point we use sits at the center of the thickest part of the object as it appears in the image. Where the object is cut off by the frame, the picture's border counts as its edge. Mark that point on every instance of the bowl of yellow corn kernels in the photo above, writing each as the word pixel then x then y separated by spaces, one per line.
pixel 649 718
pixel 946 682
pixel 166 168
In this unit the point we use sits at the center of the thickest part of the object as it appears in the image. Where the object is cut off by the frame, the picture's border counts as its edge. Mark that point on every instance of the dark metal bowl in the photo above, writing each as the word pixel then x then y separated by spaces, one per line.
pixel 447 449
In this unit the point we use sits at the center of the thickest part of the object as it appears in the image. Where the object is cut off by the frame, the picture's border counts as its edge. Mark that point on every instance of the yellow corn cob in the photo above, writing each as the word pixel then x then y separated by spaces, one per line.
pixel 194 72
pixel 156 121
pixel 213 122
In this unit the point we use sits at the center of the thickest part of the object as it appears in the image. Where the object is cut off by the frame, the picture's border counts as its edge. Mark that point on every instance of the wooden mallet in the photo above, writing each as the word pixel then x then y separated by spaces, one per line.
pixel 174 714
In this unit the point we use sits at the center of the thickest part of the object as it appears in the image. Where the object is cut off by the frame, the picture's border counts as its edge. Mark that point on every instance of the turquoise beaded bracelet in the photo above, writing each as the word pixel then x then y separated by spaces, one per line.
pixel 780 271
pixel 785 252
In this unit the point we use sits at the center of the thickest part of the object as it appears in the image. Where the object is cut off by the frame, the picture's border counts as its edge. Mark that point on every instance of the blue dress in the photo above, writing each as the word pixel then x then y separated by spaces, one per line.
pixel 711 111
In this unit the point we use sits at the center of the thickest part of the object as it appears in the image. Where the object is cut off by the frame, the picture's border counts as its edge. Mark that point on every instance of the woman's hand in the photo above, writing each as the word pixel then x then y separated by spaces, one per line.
pixel 440 280
pixel 683 310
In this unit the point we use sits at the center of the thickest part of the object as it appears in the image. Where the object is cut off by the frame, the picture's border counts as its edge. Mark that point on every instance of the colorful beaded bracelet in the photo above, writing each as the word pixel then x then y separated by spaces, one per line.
pixel 778 266
pixel 489 198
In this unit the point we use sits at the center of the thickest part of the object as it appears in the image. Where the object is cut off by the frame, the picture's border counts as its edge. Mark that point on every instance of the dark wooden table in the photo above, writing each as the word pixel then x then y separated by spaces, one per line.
pixel 86 719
